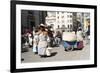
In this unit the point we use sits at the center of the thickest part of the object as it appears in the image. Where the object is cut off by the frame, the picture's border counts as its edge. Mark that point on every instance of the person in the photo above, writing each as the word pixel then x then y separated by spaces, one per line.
pixel 42 45
pixel 30 39
pixel 24 43
pixel 58 38
pixel 49 45
pixel 35 42
pixel 80 38
pixel 51 39
pixel 79 34
pixel 76 26
pixel 88 32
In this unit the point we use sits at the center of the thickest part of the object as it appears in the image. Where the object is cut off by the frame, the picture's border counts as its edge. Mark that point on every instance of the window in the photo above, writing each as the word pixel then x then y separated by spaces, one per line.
pixel 70 16
pixel 62 12
pixel 62 21
pixel 58 17
pixel 70 21
pixel 68 26
pixel 71 26
pixel 62 16
pixel 58 26
pixel 63 26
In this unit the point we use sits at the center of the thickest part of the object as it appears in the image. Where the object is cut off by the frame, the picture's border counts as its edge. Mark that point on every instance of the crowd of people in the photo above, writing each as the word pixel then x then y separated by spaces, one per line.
pixel 41 40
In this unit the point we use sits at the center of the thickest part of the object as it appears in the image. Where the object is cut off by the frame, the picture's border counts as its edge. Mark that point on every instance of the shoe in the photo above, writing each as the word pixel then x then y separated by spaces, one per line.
pixel 65 50
pixel 36 52
pixel 43 56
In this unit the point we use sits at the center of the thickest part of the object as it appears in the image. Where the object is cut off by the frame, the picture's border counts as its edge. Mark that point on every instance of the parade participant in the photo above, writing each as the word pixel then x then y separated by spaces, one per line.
pixel 50 34
pixel 42 45
pixel 30 39
pixel 49 48
pixel 79 38
pixel 87 31
pixel 35 42
pixel 24 43
pixel 58 38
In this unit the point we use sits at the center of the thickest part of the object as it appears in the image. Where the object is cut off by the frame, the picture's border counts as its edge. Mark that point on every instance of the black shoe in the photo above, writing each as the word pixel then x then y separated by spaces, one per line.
pixel 65 50
pixel 36 52
pixel 43 56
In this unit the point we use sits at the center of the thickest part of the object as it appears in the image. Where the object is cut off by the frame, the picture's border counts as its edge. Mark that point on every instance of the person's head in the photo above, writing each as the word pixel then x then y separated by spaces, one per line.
pixel 41 29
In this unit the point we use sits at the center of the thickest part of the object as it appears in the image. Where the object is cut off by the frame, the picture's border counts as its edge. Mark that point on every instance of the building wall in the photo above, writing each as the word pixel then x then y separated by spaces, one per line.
pixel 30 18
pixel 86 20
pixel 60 19
pixel 69 20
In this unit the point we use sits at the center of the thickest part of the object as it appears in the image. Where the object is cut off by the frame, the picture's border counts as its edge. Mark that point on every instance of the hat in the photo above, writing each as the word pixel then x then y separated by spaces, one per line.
pixel 42 25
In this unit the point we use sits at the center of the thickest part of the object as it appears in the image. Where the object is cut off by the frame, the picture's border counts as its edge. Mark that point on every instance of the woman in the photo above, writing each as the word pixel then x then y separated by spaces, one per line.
pixel 42 45
pixel 30 39
pixel 35 42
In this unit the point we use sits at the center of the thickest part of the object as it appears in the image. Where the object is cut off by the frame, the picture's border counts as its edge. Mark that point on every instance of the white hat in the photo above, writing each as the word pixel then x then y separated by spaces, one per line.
pixel 42 25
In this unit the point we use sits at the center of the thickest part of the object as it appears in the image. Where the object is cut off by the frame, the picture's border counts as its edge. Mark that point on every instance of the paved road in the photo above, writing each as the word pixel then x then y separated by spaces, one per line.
pixel 58 55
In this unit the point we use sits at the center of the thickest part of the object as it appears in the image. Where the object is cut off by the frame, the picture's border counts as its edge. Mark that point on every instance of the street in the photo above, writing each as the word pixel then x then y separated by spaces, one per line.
pixel 58 54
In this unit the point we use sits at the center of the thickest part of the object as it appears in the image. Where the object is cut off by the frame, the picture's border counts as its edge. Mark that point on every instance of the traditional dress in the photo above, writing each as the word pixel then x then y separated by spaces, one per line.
pixel 42 45
pixel 35 43
pixel 30 39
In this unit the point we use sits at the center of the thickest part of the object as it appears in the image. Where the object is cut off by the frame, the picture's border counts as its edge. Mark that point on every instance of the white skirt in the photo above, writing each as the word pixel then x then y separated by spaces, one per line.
pixel 42 46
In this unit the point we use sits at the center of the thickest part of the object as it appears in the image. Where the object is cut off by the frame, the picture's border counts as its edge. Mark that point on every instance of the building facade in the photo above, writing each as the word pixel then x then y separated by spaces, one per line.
pixel 50 19
pixel 86 21
pixel 60 20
